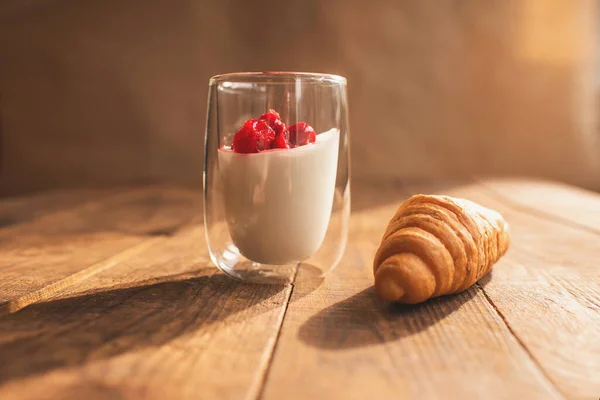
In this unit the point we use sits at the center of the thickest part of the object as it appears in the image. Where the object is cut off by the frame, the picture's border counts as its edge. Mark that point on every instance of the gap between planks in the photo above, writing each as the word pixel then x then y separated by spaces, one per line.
pixel 534 360
pixel 257 394
pixel 539 214
pixel 269 354
pixel 405 189
pixel 543 215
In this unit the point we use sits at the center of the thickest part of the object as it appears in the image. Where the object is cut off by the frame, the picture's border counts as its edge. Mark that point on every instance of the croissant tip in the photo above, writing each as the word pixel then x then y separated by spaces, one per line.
pixel 388 288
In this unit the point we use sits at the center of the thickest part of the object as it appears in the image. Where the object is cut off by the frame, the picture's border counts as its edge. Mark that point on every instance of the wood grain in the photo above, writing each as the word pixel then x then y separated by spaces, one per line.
pixel 548 286
pixel 15 210
pixel 159 325
pixel 152 319
pixel 340 342
pixel 45 254
pixel 551 200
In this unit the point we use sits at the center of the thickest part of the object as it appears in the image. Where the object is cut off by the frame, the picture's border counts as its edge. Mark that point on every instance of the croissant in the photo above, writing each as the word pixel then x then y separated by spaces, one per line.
pixel 437 245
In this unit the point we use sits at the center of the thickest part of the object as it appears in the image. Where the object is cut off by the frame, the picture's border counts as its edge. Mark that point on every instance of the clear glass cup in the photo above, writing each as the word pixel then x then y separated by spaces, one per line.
pixel 270 213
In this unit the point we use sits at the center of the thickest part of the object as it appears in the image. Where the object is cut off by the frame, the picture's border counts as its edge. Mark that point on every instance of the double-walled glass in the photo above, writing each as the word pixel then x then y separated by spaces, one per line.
pixel 268 213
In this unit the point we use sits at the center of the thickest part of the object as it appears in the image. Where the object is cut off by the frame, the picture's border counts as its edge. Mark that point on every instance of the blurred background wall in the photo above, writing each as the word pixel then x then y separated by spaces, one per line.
pixel 104 92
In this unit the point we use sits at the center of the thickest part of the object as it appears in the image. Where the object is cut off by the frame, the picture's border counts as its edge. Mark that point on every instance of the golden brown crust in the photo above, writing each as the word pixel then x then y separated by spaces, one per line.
pixel 436 245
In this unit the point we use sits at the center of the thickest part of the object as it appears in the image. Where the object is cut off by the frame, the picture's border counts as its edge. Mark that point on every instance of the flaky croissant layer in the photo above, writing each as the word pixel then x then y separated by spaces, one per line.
pixel 437 245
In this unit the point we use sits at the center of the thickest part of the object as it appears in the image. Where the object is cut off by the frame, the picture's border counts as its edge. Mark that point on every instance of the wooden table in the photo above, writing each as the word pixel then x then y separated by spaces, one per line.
pixel 110 294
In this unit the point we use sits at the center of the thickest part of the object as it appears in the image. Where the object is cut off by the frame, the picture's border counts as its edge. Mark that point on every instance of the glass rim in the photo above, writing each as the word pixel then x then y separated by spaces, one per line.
pixel 266 75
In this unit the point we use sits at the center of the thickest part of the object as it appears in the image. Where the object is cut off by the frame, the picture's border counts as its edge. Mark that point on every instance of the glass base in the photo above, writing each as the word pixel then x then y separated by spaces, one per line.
pixel 233 264
pixel 252 272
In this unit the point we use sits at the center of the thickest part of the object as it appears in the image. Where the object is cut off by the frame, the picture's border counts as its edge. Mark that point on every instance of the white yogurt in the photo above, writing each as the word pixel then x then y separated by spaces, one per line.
pixel 278 202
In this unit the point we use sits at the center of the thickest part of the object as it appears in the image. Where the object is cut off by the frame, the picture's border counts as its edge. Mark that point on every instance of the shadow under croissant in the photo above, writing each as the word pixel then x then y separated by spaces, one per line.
pixel 364 320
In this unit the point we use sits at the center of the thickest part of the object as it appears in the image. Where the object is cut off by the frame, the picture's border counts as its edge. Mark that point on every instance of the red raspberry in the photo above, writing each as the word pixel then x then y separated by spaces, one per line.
pixel 302 133
pixel 282 136
pixel 281 141
pixel 274 120
pixel 254 136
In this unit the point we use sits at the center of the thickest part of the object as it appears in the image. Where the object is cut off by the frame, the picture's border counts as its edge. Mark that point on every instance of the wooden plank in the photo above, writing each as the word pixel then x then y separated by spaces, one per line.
pixel 43 255
pixel 339 341
pixel 547 288
pixel 15 210
pixel 145 329
pixel 161 325
pixel 553 200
